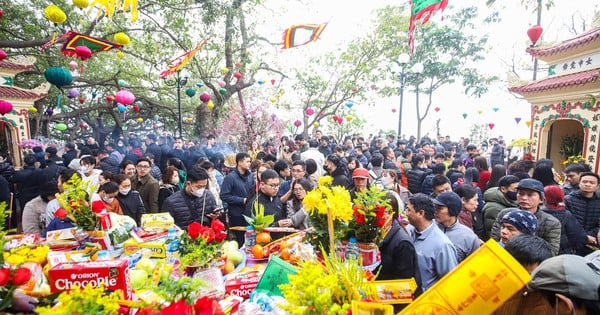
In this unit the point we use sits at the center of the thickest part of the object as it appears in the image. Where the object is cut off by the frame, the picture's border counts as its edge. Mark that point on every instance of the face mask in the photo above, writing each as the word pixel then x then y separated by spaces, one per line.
pixel 108 200
pixel 387 181
pixel 198 192
pixel 124 191
pixel 325 168
pixel 511 195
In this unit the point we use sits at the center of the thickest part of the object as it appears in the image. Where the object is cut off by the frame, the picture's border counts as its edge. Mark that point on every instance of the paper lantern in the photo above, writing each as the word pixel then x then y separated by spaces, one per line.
pixel 1 13
pixel 156 117
pixel 309 111
pixel 534 33
pixel 491 125
pixel 32 110
pixel 517 120
pixel 205 97
pixel 260 82
pixel 464 115
pixel 273 100
pixel 190 92
pixel 49 111
pixel 222 83
pixel 528 123
pixel 81 100
pixel 224 70
pixel 437 109
pixel 355 89
pixel 495 109
pixel 393 110
pixel 121 108
pixel 349 104
pixel 140 120
pixel 82 4
pixel 297 123
pixel 5 107
pixel 121 82
pixel 83 52
pixel 3 54
pixel 273 81
pixel 210 104
pixel 61 127
pixel 480 111
pixel 138 103
pixel 349 117
pixel 237 75
pixel 136 109
pixel 55 14
pixel 122 39
pixel 316 124
pixel 199 84
pixel 125 97
pixel 73 65
pixel 58 76
pixel 110 98
pixel 120 54
pixel 223 91
pixel 73 93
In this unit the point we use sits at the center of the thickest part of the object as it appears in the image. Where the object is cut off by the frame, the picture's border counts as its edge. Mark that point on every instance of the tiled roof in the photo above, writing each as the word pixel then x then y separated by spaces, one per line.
pixel 580 40
pixel 11 91
pixel 14 66
pixel 562 81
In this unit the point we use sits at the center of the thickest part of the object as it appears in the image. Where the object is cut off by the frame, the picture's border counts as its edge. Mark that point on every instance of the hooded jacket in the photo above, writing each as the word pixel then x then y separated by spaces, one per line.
pixel 495 201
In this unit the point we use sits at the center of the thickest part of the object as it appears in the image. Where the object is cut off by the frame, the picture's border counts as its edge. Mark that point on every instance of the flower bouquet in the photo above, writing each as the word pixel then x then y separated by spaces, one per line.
pixel 370 214
pixel 76 201
pixel 87 300
pixel 329 209
pixel 199 246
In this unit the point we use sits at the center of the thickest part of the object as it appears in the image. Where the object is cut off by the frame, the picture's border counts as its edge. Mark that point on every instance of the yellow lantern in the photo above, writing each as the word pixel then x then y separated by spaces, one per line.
pixel 82 4
pixel 349 118
pixel 224 70
pixel 55 14
pixel 273 100
pixel 32 110
pixel 210 104
pixel 120 54
pixel 316 124
pixel 140 120
pixel 480 111
pixel 122 39
pixel 528 123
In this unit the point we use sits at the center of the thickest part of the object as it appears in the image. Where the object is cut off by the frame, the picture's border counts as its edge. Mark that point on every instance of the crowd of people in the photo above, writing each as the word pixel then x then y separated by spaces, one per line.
pixel 448 197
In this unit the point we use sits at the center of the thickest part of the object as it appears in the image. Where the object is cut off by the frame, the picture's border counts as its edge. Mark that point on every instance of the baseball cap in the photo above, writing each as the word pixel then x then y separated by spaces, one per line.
pixel 525 221
pixel 451 200
pixel 360 173
pixel 532 184
pixel 574 276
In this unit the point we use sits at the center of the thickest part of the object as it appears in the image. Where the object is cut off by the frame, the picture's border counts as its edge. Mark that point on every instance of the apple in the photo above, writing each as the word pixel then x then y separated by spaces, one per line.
pixel 234 256
pixel 230 246
pixel 138 278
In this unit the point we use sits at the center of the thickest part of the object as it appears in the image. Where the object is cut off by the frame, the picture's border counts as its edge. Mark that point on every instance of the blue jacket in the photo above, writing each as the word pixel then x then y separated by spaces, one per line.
pixel 234 189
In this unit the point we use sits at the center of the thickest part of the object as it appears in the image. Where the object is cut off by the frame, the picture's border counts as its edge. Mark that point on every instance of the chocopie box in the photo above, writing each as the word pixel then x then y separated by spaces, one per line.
pixel 113 274
pixel 242 284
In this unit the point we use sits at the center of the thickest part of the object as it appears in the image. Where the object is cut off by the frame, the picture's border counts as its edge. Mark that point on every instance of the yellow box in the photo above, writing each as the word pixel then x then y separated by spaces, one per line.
pixel 368 308
pixel 479 285
pixel 157 221
pixel 157 247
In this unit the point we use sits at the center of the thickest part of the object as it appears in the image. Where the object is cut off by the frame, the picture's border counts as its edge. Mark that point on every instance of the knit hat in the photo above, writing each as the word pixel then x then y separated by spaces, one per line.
pixel 450 200
pixel 571 275
pixel 524 221
pixel 532 184
pixel 554 197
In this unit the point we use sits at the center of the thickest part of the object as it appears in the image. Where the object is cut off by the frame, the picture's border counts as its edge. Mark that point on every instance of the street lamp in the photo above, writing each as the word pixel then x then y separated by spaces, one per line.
pixel 179 82
pixel 401 64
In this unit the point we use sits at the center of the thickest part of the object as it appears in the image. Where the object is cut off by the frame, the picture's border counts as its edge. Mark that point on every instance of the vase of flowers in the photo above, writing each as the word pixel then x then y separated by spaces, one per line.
pixel 329 209
pixel 199 246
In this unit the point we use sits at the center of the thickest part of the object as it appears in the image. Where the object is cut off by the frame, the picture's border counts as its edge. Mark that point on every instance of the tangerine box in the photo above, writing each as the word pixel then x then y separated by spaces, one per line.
pixel 242 284
pixel 113 274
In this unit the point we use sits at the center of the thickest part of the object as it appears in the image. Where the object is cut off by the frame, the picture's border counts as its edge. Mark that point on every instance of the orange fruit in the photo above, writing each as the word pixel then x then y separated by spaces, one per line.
pixel 285 254
pixel 258 251
pixel 263 238
pixel 228 267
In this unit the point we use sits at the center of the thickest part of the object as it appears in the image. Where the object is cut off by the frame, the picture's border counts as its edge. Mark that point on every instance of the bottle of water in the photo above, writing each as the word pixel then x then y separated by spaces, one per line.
pixel 250 239
pixel 352 249
pixel 172 247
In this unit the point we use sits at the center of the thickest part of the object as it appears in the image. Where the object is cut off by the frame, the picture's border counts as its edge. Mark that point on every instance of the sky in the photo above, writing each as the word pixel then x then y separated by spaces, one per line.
pixel 507 41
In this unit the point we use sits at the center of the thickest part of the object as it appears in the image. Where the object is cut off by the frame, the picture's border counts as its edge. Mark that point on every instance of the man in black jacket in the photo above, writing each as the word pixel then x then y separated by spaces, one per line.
pixel 267 198
pixel 195 203
pixel 27 182
pixel 152 147
pixel 234 191
pixel 585 205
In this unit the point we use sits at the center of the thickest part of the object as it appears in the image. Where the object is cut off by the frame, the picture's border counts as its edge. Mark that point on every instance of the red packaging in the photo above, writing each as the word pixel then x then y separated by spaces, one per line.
pixel 114 274
pixel 105 221
pixel 242 284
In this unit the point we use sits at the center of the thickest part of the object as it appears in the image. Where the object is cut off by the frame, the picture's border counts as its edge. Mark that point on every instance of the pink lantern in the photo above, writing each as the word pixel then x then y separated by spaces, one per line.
pixel 309 111
pixel 125 97
pixel 491 125
pixel 222 83
pixel 5 107
pixel 205 97
pixel 83 52
pixel 393 110
pixel 73 65
pixel 437 109
pixel 3 54
pixel 297 123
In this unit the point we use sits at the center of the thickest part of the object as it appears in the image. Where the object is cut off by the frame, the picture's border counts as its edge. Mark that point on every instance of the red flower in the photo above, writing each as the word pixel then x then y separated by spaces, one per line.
pixel 208 234
pixel 380 222
pixel 217 225
pixel 207 306
pixel 60 213
pixel 177 308
pixel 360 219
pixel 194 229
pixel 380 211
pixel 4 276
pixel 98 206
pixel 21 276
pixel 220 236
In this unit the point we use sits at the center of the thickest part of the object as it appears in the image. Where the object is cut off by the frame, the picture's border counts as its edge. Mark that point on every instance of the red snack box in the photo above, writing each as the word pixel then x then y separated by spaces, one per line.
pixel 114 274
pixel 242 284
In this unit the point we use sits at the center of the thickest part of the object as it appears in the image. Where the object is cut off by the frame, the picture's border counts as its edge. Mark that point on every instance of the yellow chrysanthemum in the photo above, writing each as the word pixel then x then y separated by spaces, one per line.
pixel 325 181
